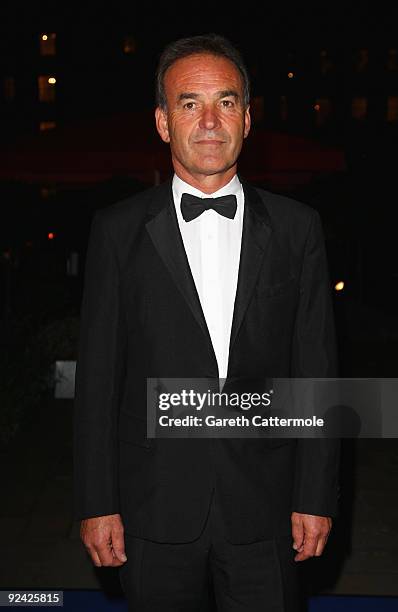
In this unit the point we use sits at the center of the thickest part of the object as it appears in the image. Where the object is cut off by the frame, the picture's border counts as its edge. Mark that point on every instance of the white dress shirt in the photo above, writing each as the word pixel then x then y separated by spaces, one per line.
pixel 212 244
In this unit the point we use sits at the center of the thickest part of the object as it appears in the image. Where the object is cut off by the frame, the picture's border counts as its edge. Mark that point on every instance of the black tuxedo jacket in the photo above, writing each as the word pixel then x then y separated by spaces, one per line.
pixel 141 317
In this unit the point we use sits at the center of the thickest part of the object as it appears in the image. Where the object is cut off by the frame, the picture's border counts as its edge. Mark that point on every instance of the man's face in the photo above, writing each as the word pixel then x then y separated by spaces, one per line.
pixel 205 121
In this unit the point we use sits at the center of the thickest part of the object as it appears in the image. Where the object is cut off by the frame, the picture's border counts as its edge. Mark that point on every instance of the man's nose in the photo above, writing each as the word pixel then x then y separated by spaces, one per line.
pixel 209 119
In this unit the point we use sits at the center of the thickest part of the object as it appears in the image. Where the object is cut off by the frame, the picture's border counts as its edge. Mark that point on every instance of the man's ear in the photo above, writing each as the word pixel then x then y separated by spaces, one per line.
pixel 247 122
pixel 162 125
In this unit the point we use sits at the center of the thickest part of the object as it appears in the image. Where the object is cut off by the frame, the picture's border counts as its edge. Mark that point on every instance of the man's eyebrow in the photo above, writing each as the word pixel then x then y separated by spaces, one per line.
pixel 185 96
pixel 228 92
pixel 225 93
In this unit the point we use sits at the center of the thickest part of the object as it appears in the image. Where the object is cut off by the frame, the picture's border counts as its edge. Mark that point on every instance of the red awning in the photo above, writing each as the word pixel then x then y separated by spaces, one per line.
pixel 128 145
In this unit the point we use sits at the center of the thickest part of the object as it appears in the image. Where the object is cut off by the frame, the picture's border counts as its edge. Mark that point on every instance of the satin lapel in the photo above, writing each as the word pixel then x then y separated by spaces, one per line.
pixel 256 234
pixel 166 236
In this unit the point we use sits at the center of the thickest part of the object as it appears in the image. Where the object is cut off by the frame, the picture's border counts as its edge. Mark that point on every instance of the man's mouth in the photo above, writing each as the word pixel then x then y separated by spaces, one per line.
pixel 209 142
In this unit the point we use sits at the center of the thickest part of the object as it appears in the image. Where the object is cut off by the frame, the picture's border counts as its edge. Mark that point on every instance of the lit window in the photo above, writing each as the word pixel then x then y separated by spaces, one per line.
pixel 359 108
pixel 9 88
pixel 361 60
pixel 392 61
pixel 323 110
pixel 283 108
pixel 47 125
pixel 46 88
pixel 47 43
pixel 129 45
pixel 392 108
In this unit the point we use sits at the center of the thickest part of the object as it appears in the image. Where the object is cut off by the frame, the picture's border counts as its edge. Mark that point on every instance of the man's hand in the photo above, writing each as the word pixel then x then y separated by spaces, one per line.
pixel 310 534
pixel 103 538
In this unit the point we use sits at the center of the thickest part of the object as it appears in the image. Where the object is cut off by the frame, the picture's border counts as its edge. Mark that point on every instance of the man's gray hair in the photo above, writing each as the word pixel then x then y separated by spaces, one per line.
pixel 213 44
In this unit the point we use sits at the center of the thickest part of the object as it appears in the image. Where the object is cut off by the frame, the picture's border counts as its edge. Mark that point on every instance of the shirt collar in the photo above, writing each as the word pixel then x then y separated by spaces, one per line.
pixel 179 187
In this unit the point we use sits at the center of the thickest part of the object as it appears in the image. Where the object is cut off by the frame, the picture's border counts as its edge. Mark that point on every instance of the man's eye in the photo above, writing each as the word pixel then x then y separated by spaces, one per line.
pixel 189 105
pixel 227 103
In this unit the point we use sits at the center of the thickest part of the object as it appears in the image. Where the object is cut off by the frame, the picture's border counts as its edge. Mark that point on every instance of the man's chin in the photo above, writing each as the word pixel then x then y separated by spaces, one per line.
pixel 210 168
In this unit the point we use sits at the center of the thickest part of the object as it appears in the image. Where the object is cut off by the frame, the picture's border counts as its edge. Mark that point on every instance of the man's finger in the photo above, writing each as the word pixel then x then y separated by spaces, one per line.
pixel 94 556
pixel 297 533
pixel 118 548
pixel 115 561
pixel 321 546
pixel 310 546
pixel 104 552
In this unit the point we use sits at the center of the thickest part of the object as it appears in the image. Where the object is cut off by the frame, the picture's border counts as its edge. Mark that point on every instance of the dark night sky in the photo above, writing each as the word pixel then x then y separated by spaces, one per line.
pixel 253 23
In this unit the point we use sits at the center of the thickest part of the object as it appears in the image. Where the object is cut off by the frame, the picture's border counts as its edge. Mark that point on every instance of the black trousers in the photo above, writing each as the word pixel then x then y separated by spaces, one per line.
pixel 179 577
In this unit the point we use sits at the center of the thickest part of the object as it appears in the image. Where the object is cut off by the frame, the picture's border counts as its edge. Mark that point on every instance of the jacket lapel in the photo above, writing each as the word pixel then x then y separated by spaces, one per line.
pixel 166 236
pixel 256 234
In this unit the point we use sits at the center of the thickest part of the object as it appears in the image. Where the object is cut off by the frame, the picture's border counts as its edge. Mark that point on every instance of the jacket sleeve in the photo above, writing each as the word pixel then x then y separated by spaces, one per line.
pixel 314 355
pixel 99 379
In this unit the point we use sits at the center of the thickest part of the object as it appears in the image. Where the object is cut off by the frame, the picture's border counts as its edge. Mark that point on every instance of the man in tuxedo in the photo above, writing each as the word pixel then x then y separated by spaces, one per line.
pixel 202 276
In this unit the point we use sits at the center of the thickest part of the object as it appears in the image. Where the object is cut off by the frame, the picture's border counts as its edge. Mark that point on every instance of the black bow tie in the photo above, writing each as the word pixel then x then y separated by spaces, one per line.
pixel 192 206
